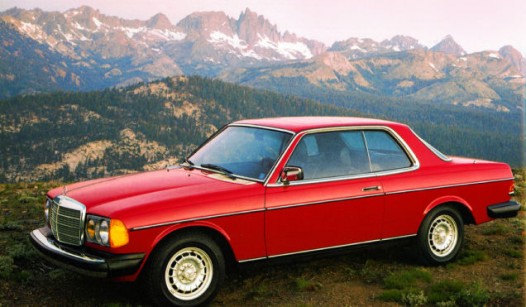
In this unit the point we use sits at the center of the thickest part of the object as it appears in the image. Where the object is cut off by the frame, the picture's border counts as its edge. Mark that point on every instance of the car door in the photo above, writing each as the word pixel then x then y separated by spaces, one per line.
pixel 338 202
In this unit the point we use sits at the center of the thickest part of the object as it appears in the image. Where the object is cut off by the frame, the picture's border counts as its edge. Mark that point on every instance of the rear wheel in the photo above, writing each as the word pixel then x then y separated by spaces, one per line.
pixel 441 235
pixel 185 271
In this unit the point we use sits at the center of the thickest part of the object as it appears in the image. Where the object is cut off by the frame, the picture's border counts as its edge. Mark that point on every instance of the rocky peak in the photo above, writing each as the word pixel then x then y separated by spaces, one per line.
pixel 450 46
pixel 251 27
pixel 515 57
pixel 159 21
pixel 85 16
pixel 401 43
pixel 201 24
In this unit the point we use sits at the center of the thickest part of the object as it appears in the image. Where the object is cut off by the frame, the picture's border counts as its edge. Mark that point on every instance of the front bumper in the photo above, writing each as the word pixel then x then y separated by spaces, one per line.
pixel 93 263
pixel 504 210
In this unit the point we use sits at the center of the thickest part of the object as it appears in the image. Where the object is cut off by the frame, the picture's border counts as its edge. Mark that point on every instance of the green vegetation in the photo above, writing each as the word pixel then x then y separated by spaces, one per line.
pixel 415 287
pixel 468 257
pixel 168 118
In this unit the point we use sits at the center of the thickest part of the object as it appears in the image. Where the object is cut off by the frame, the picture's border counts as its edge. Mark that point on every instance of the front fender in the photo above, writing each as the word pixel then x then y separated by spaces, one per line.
pixel 196 225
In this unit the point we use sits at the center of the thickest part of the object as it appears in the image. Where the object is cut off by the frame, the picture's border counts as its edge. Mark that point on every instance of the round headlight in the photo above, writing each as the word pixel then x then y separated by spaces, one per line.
pixel 104 232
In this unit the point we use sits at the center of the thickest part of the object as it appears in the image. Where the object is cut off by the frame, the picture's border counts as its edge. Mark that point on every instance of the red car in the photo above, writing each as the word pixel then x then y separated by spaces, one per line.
pixel 268 188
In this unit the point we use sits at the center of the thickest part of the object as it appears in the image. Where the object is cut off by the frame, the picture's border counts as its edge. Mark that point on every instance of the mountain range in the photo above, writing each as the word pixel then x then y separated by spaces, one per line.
pixel 83 49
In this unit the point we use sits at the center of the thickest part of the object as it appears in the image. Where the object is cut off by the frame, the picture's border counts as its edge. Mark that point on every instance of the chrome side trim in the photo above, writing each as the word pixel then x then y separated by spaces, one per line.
pixel 327 248
pixel 195 219
pixel 325 201
pixel 447 186
pixel 252 259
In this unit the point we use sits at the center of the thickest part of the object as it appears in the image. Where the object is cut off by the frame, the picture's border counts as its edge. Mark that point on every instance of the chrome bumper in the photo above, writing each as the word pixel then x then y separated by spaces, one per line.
pixel 74 259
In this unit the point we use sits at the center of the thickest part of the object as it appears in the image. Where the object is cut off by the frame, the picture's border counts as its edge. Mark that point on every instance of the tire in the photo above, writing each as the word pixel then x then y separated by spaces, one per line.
pixel 441 235
pixel 185 271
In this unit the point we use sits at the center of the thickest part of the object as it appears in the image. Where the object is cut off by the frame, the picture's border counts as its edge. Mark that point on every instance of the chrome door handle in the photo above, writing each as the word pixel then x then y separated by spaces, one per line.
pixel 373 188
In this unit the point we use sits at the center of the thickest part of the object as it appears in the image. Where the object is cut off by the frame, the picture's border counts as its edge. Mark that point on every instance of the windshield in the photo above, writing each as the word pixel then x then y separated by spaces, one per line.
pixel 242 151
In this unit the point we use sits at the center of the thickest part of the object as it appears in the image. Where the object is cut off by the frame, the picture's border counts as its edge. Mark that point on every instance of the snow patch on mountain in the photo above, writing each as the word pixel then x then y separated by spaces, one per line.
pixel 290 50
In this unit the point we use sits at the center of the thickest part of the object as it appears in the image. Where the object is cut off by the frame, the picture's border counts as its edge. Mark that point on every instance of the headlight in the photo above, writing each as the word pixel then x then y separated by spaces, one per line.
pixel 107 232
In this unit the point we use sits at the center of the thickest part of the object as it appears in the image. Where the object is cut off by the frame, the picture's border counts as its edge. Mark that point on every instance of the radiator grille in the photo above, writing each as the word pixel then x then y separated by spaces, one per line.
pixel 66 217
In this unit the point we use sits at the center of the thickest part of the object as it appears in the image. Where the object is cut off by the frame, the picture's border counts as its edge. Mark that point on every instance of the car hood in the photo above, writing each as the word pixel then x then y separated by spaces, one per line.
pixel 157 191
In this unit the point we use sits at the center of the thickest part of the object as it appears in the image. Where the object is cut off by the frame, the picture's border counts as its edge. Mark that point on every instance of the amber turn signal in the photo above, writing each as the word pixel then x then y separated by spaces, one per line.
pixel 118 233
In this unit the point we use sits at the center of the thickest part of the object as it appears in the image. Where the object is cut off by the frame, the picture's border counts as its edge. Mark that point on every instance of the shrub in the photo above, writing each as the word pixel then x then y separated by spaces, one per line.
pixel 475 295
pixel 407 279
pixel 414 299
pixel 444 291
pixel 6 266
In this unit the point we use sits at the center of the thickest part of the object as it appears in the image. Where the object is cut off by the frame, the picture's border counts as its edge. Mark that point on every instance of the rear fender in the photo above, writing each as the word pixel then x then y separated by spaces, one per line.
pixel 451 199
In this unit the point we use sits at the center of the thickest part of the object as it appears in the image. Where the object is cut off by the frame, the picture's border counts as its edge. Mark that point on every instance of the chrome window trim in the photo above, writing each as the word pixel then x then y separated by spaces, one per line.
pixel 367 150
pixel 261 127
pixel 407 150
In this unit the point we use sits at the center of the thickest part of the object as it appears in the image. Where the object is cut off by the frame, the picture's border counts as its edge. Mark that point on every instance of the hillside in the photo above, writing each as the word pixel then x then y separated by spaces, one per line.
pixel 67 135
pixel 79 135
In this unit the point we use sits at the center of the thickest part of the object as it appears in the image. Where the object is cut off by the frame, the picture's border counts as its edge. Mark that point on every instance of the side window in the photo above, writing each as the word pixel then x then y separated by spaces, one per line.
pixel 331 154
pixel 385 153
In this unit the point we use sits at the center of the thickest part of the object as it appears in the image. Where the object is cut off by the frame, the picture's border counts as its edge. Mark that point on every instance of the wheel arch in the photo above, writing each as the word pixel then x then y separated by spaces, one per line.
pixel 462 206
pixel 216 234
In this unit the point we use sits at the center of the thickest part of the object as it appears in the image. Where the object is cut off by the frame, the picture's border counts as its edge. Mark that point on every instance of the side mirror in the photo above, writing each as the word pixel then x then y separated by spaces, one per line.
pixel 291 173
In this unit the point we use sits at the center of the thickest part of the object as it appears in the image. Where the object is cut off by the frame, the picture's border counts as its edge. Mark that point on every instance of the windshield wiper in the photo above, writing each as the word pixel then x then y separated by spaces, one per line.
pixel 221 169
pixel 187 163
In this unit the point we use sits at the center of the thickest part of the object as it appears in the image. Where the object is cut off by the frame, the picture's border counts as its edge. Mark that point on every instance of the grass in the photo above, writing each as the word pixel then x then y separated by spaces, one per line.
pixel 469 257
pixel 415 288
pixel 303 284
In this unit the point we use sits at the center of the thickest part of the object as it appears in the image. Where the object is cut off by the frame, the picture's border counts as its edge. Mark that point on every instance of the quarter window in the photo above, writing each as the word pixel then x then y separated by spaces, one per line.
pixel 385 153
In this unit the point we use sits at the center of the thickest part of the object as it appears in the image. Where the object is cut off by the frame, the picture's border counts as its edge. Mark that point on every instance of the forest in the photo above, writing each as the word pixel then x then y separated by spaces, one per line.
pixel 170 117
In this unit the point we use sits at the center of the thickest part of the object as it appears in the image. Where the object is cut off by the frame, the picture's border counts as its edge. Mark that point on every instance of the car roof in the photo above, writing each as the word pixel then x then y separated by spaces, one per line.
pixel 298 124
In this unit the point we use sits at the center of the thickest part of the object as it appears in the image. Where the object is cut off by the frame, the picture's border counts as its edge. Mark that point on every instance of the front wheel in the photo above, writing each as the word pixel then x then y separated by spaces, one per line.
pixel 185 271
pixel 441 235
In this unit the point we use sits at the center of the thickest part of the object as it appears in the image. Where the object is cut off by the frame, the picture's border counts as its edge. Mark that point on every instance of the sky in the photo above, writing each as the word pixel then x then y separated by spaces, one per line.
pixel 476 25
